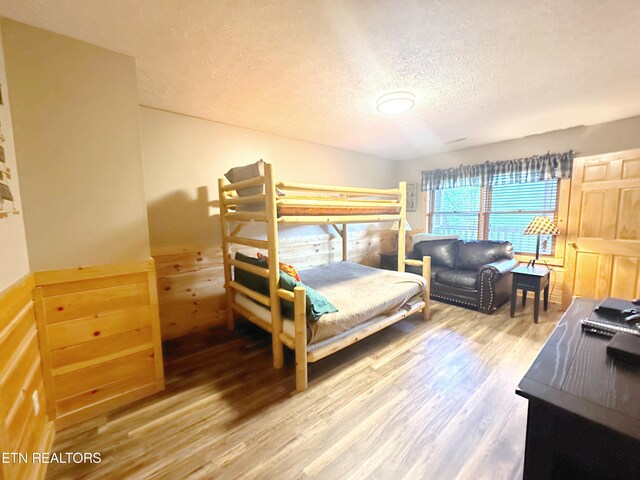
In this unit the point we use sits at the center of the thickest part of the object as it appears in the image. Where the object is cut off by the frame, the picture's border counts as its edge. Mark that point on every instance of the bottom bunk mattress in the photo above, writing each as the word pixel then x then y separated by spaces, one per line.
pixel 360 294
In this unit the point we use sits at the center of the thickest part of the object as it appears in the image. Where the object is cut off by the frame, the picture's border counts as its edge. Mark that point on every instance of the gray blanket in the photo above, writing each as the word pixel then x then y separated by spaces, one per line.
pixel 359 293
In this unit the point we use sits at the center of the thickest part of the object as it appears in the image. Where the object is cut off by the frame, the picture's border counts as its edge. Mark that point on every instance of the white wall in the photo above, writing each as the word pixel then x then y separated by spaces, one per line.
pixel 14 262
pixel 77 133
pixel 587 140
pixel 185 156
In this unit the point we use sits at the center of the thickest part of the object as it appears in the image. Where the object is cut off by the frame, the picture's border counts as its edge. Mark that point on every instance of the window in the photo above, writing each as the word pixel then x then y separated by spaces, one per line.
pixel 512 207
pixel 499 212
pixel 455 212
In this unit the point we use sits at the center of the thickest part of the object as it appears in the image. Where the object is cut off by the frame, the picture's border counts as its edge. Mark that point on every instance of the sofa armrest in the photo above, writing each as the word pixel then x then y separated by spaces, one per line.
pixel 495 284
pixel 502 266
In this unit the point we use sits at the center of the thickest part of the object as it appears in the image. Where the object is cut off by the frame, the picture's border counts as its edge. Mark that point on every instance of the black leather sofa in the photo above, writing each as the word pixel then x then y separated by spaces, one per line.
pixel 471 274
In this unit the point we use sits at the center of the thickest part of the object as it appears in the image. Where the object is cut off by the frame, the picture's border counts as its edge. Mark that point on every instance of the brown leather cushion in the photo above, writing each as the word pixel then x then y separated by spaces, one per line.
pixel 473 255
pixel 442 252
pixel 459 278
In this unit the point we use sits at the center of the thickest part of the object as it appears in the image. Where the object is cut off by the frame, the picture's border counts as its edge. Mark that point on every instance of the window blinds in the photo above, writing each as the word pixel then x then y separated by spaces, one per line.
pixel 455 212
pixel 499 212
pixel 510 208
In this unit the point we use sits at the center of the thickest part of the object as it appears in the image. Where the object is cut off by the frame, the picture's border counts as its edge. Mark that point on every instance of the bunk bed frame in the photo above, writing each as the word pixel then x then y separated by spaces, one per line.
pixel 233 220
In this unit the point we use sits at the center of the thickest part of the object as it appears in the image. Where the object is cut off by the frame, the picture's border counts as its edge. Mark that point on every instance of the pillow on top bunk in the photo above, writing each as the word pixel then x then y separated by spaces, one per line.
pixel 246 172
pixel 238 174
pixel 317 305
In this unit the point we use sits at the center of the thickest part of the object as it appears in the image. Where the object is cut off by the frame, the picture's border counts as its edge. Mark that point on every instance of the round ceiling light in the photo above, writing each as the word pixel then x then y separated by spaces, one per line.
pixel 396 102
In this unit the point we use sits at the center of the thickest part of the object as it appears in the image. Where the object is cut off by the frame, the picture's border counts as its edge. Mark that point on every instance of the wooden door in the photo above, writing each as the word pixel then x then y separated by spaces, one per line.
pixel 603 231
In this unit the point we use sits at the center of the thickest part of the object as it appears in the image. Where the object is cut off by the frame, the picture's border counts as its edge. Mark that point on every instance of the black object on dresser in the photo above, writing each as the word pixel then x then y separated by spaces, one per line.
pixel 584 406
pixel 471 274
pixel 530 279
pixel 389 261
pixel 625 347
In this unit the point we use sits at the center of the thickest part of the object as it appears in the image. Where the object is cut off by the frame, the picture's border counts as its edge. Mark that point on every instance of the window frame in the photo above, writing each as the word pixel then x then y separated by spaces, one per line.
pixel 562 210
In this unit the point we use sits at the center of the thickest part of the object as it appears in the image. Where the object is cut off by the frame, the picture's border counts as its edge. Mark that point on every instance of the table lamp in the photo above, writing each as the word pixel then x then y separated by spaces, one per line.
pixel 396 225
pixel 540 226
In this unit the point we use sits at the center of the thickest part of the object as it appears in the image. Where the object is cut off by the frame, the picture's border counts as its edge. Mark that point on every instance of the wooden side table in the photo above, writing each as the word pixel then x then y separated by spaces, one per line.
pixel 530 279
pixel 389 261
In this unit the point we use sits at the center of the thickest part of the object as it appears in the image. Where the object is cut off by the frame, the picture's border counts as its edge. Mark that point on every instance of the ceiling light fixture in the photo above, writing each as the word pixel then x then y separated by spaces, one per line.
pixel 396 102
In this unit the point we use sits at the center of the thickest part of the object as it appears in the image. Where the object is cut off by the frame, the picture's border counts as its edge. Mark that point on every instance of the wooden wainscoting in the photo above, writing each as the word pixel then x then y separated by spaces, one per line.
pixel 100 338
pixel 191 284
pixel 22 428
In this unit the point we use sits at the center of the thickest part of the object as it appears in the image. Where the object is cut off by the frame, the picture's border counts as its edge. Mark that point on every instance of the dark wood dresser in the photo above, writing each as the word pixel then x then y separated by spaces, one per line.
pixel 584 406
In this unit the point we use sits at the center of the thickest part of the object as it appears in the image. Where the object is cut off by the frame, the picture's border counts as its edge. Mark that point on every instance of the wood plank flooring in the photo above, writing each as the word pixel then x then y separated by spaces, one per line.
pixel 419 400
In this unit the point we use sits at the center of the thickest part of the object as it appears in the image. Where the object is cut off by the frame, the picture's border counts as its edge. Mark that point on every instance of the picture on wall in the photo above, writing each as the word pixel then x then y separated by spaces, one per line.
pixel 411 197
pixel 7 203
pixel 6 199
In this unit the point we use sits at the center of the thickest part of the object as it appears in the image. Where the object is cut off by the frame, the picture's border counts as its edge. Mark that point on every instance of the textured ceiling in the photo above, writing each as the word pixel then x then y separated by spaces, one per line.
pixel 485 70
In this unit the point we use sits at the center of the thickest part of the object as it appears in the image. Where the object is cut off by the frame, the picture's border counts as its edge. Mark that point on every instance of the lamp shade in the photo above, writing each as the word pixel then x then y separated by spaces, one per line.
pixel 396 225
pixel 541 226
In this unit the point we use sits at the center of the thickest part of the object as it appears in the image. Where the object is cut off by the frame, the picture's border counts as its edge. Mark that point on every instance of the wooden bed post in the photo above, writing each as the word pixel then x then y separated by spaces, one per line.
pixel 426 296
pixel 401 226
pixel 345 236
pixel 274 265
pixel 300 325
pixel 226 252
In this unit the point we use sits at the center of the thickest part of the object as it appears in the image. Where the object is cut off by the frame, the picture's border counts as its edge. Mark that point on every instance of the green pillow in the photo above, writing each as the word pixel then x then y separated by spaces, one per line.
pixel 251 280
pixel 317 305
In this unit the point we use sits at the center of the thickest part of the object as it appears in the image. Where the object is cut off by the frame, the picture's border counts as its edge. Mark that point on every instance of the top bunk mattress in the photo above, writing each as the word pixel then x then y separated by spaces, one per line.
pixel 336 210
pixel 360 293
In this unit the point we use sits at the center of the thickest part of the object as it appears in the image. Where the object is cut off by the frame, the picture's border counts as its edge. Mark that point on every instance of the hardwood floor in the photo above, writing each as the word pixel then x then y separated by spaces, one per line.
pixel 417 400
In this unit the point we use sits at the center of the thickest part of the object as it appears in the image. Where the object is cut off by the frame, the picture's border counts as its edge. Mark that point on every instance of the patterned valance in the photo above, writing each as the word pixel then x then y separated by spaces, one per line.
pixel 521 170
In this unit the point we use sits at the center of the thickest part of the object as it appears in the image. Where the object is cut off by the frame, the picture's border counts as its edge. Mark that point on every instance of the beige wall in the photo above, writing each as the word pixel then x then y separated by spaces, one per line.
pixel 184 157
pixel 14 262
pixel 587 140
pixel 77 132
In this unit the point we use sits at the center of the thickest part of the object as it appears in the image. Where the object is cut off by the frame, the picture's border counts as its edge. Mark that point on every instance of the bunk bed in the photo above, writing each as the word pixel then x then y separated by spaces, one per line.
pixel 260 199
